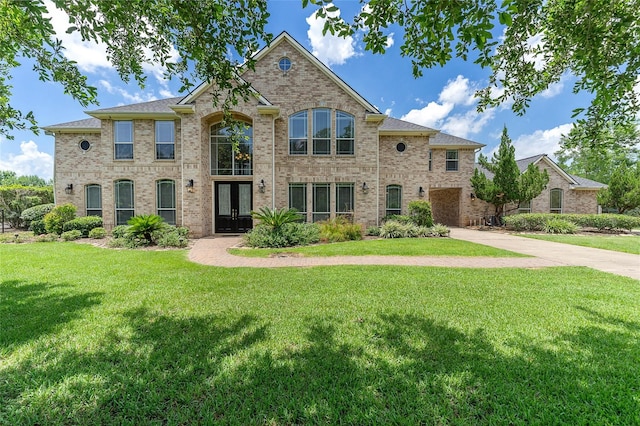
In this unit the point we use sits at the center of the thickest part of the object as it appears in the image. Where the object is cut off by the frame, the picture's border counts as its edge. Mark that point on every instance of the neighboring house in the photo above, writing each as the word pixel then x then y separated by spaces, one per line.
pixel 564 193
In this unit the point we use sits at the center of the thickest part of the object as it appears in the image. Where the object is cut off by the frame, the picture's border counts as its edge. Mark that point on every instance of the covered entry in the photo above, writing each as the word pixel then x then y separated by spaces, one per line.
pixel 232 206
pixel 445 205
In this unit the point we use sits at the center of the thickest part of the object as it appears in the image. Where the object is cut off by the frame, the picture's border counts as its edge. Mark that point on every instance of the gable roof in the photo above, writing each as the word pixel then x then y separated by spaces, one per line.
pixel 88 125
pixel 152 109
pixel 450 141
pixel 396 127
pixel 304 52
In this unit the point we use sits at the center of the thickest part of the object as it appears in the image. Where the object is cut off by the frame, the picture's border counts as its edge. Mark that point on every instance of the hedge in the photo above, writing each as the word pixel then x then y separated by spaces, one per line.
pixel 83 224
pixel 538 221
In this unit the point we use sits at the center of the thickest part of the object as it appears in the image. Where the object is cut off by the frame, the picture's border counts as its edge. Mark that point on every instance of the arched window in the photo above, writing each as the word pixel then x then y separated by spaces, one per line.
pixel 166 200
pixel 93 200
pixel 394 200
pixel 555 200
pixel 226 161
pixel 298 133
pixel 123 191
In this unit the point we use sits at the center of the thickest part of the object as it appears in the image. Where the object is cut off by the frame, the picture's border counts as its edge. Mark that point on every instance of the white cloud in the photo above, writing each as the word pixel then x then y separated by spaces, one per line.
pixel 540 141
pixel 471 122
pixel 430 116
pixel 134 98
pixel 30 161
pixel 330 49
pixel 390 40
pixel 458 91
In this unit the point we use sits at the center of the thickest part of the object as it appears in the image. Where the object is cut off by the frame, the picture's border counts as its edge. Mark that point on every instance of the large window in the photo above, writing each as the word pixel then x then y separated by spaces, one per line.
pixel 123 140
pixel 226 161
pixel 555 201
pixel 166 200
pixel 298 133
pixel 124 201
pixel 165 140
pixel 298 198
pixel 524 207
pixel 394 200
pixel 321 201
pixel 345 133
pixel 93 200
pixel 345 199
pixel 452 160
pixel 321 131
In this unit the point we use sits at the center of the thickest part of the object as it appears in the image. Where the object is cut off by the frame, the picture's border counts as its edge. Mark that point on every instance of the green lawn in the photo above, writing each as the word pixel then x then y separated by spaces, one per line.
pixel 385 247
pixel 622 243
pixel 98 336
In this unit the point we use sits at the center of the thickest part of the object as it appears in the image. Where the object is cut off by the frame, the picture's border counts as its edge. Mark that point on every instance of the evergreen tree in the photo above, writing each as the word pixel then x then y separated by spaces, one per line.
pixel 623 192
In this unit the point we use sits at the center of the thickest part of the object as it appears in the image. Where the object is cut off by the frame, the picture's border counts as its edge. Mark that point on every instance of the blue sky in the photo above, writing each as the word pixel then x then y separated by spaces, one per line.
pixel 442 98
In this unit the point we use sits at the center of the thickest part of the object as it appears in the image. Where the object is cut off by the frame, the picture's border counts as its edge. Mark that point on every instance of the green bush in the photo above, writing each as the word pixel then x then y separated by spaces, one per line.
pixel 275 219
pixel 143 226
pixel 339 229
pixel 54 220
pixel 440 230
pixel 560 226
pixel 98 233
pixel 538 221
pixel 71 235
pixel 420 213
pixel 46 238
pixel 37 227
pixel 397 218
pixel 120 231
pixel 14 199
pixel 172 236
pixel 393 229
pixel 83 224
pixel 35 213
pixel 289 235
pixel 373 231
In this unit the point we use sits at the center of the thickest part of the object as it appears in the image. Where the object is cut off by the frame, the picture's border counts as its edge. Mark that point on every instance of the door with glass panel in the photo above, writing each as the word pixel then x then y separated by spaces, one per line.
pixel 232 207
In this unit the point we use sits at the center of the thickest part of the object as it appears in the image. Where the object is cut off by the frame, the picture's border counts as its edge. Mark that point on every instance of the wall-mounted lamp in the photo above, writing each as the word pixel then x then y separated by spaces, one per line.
pixel 69 189
pixel 473 196
pixel 190 185
pixel 261 186
pixel 365 188
pixel 421 192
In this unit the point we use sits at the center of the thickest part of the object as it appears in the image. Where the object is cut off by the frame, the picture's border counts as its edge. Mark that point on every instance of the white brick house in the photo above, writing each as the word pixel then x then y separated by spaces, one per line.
pixel 313 144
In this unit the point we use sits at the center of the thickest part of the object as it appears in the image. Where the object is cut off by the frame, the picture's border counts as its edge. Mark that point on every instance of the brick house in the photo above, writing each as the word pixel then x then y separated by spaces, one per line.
pixel 312 143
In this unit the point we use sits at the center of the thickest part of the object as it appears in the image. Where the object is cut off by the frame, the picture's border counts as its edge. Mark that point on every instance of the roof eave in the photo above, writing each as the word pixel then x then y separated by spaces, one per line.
pixel 392 132
pixel 132 115
pixel 52 130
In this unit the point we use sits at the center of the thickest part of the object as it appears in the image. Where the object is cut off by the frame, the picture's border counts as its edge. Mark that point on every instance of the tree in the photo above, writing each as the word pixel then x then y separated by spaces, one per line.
pixel 536 44
pixel 508 185
pixel 623 192
pixel 597 156
pixel 202 32
pixel 9 177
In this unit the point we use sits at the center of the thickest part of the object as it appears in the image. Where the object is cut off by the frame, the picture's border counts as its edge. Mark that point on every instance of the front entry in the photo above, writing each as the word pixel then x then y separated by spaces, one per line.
pixel 233 202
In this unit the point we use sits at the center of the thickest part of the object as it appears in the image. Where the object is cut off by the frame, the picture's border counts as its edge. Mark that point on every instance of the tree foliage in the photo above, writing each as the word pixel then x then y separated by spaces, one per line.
pixel 201 32
pixel 623 192
pixel 507 185
pixel 536 43
pixel 9 177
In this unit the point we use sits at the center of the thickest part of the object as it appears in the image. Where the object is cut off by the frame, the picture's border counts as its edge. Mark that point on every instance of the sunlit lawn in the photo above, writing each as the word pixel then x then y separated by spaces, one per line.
pixel 99 336
pixel 388 247
pixel 622 243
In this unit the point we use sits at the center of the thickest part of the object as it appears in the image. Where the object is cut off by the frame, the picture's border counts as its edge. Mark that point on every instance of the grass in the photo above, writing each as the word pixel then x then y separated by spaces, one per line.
pixel 621 243
pixel 385 247
pixel 97 336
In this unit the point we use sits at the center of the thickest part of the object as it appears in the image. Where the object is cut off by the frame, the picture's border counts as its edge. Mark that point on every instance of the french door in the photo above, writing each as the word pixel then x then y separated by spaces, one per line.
pixel 232 206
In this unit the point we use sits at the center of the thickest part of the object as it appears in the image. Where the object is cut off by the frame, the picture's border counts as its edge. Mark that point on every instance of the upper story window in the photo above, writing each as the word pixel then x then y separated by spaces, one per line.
pixel 430 160
pixel 555 201
pixel 298 131
pixel 165 140
pixel 345 133
pixel 93 200
pixel 452 160
pixel 321 131
pixel 166 200
pixel 123 140
pixel 226 161
pixel 284 64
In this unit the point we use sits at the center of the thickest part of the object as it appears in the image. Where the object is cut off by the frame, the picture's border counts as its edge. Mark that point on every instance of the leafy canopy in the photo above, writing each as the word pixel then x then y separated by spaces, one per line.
pixel 536 44
pixel 623 192
pixel 508 185
pixel 201 32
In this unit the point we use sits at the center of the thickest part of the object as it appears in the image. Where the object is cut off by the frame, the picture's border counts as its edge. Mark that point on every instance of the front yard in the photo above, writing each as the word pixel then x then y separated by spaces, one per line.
pixel 97 336
pixel 620 242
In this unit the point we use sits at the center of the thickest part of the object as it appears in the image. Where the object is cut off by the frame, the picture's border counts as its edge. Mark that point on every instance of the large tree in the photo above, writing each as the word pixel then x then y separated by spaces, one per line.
pixel 623 192
pixel 537 43
pixel 135 32
pixel 507 185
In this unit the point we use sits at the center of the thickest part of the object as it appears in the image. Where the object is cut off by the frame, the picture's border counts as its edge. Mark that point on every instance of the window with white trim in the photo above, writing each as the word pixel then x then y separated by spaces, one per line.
pixel 555 200
pixel 394 200
pixel 298 198
pixel 225 161
pixel 93 200
pixel 165 140
pixel 123 140
pixel 298 133
pixel 452 160
pixel 321 131
pixel 345 133
pixel 124 201
pixel 166 200
pixel 345 199
pixel 321 202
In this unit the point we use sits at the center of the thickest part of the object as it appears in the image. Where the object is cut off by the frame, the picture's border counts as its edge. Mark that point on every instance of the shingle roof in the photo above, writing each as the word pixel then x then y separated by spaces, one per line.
pixel 161 105
pixel 444 139
pixel 588 183
pixel 394 124
pixel 87 123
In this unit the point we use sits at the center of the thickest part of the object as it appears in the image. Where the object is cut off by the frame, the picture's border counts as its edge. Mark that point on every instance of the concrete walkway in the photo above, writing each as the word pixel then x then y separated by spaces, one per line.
pixel 213 251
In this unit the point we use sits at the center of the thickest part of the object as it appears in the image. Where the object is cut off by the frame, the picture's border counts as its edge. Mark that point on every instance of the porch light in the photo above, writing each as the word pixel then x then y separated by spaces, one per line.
pixel 421 192
pixel 190 185
pixel 69 189
pixel 365 188
pixel 473 196
pixel 261 186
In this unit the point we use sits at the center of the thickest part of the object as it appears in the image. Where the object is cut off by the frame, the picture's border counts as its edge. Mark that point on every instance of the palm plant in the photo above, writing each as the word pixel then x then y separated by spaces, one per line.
pixel 143 226
pixel 275 219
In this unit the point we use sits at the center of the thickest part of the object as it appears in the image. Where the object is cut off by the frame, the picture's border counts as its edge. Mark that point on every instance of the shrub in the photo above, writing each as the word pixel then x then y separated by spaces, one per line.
pixel 420 213
pixel 373 231
pixel 120 231
pixel 71 235
pixel 395 229
pixel 397 218
pixel 274 218
pixel 143 226
pixel 14 199
pixel 46 238
pixel 172 236
pixel 54 220
pixel 83 224
pixel 560 226
pixel 35 213
pixel 301 234
pixel 538 221
pixel 440 230
pixel 290 234
pixel 37 227
pixel 263 236
pixel 339 229
pixel 98 233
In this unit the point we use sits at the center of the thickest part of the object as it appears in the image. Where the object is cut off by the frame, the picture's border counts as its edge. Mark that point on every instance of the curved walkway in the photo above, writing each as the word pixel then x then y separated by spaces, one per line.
pixel 213 251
